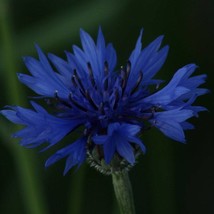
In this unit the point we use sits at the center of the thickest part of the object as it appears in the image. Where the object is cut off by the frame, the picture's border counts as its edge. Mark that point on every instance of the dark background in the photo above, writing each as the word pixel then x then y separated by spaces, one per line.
pixel 171 178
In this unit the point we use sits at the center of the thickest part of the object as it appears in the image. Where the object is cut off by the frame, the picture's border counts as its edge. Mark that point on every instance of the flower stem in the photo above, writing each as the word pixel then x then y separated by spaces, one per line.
pixel 123 192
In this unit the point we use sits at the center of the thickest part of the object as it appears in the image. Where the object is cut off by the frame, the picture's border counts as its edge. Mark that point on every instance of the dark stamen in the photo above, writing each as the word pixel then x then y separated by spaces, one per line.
pixel 116 98
pixel 76 104
pixel 157 86
pixel 82 89
pixel 75 75
pixel 106 70
pixel 91 73
pixel 128 68
pixel 155 108
pixel 106 84
pixel 60 100
pixel 56 95
pixel 137 83
pixel 101 108
pixel 85 132
pixel 125 75
pixel 87 95
pixel 73 80
pixel 124 79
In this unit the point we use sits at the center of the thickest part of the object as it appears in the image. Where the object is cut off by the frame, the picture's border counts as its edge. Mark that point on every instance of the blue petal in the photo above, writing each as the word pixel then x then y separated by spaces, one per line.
pixel 40 127
pixel 119 135
pixel 146 53
pixel 125 150
pixel 44 81
pixel 194 82
pixel 43 59
pixel 78 62
pixel 187 126
pixel 111 57
pixel 100 49
pixel 172 91
pixel 109 149
pixel 75 153
pixel 155 64
pixel 112 128
pixel 78 156
pixel 100 40
pixel 129 129
pixel 178 115
pixel 81 58
pixel 100 139
pixel 89 48
pixel 12 116
pixel 171 129
pixel 146 59
pixel 171 122
pixel 138 142
pixel 61 65
pixel 136 52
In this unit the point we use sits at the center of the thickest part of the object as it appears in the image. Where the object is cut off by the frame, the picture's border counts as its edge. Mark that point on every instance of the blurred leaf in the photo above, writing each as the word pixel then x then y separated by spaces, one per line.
pixel 24 161
pixel 61 27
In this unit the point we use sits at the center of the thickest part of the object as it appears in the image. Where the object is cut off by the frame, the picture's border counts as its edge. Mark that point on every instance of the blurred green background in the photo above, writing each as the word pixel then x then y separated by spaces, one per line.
pixel 171 178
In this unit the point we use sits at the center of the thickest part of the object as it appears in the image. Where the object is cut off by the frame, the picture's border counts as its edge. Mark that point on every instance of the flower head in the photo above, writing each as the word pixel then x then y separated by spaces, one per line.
pixel 112 106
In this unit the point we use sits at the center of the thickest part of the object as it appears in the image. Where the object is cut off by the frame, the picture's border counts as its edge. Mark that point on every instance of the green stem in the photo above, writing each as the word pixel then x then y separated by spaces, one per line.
pixel 123 192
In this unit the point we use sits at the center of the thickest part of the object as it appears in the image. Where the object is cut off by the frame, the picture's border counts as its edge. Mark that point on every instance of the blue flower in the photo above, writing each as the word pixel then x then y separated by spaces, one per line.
pixel 111 106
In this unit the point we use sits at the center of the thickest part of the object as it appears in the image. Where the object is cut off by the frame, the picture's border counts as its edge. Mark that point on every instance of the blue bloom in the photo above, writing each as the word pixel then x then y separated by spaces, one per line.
pixel 111 106
pixel 118 139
